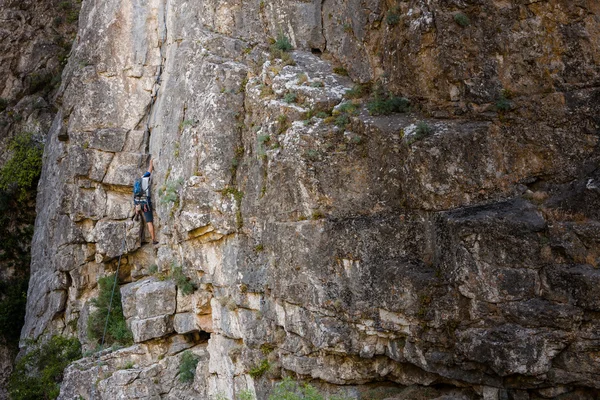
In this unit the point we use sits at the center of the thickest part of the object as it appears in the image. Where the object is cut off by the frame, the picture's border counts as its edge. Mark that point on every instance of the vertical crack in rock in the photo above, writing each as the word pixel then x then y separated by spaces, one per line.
pixel 162 41
pixel 323 33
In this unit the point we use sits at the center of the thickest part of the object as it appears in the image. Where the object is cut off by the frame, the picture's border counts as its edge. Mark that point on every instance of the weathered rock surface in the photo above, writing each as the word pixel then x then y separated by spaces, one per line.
pixel 352 250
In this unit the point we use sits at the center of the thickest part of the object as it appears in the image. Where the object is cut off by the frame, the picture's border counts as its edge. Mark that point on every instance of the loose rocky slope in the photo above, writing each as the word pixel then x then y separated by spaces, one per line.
pixel 354 250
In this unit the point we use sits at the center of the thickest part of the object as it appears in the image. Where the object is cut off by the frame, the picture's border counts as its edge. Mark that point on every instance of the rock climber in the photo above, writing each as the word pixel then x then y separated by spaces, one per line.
pixel 143 203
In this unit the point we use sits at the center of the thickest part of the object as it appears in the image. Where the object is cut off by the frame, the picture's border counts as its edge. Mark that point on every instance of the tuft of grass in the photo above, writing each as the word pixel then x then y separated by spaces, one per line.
pixel 153 269
pixel 283 123
pixel 283 43
pixel 184 284
pixel 302 78
pixel 312 155
pixel 259 247
pixel 187 366
pixel 342 121
pixel 347 107
pixel 317 214
pixel 127 365
pixel 317 84
pixel 260 369
pixel 340 71
pixel 462 20
pixel 246 395
pixel 388 105
pixel 290 97
pixel 423 130
pixel 266 91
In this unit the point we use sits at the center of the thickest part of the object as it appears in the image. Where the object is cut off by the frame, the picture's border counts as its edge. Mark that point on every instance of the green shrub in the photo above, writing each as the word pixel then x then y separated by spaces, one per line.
pixel 3 104
pixel 340 71
pixel 392 18
pixel 347 107
pixel 246 395
pixel 288 389
pixel 290 97
pixel 462 20
pixel 503 103
pixel 388 105
pixel 22 170
pixel 283 43
pixel 185 286
pixel 187 366
pixel 342 120
pixel 170 192
pixel 422 131
pixel 260 369
pixel 116 331
pixel 37 375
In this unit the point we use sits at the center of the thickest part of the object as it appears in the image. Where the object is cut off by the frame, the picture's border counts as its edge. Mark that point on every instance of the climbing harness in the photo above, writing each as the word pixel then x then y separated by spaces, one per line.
pixel 112 295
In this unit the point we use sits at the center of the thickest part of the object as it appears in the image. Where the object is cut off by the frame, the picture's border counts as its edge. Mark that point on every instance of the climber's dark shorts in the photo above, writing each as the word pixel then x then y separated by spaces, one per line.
pixel 147 214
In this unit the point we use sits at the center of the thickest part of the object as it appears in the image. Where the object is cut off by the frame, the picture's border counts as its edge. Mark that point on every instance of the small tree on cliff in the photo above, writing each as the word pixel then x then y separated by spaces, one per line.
pixel 116 330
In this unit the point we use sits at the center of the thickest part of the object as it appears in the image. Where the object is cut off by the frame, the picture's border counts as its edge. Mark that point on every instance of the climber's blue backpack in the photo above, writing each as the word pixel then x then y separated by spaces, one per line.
pixel 141 190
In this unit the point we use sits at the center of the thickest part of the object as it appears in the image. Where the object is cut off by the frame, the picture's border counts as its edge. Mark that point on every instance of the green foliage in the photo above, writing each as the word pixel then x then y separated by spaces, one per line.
pixel 347 107
pixel 22 170
pixel 3 104
pixel 260 369
pixel 170 192
pixel 317 214
pixel 246 395
pixel 127 365
pixel 185 286
pixel 340 71
pixel 153 269
pixel 280 49
pixel 283 123
pixel 462 20
pixel 37 375
pixel 290 97
pixel 117 331
pixel 385 105
pixel 312 155
pixel 503 103
pixel 187 366
pixel 422 131
pixel 316 84
pixel 186 122
pixel 342 120
pixel 259 247
pixel 393 17
pixel 283 43
pixel 288 389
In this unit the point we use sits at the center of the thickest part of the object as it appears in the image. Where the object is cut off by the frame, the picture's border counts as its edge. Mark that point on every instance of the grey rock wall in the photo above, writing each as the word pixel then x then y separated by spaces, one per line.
pixel 462 264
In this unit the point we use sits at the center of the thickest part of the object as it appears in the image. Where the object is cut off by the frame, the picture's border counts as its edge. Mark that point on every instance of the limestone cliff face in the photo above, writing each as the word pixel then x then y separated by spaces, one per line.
pixel 355 250
pixel 35 39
